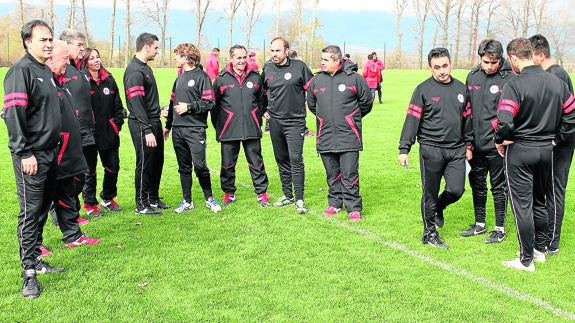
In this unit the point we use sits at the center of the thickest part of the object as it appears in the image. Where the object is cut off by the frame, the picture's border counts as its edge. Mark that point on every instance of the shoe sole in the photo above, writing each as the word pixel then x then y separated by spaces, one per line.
pixel 472 235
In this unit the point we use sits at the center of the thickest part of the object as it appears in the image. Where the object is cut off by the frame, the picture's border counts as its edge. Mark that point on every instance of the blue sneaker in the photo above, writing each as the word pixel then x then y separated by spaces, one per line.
pixel 184 206
pixel 213 205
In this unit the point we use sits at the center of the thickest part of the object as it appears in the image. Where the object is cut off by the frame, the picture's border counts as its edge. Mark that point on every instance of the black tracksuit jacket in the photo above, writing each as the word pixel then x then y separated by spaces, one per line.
pixel 339 102
pixel 32 115
pixel 142 96
pixel 108 111
pixel 239 105
pixel 430 122
pixel 484 92
pixel 78 84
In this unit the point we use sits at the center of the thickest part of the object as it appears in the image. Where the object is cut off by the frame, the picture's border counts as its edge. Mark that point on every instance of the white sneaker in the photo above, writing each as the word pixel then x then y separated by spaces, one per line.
pixel 213 205
pixel 184 206
pixel 537 255
pixel 516 264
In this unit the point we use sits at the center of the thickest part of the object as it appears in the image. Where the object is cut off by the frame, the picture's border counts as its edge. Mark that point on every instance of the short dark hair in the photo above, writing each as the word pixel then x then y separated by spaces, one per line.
pixel 145 39
pixel 521 48
pixel 286 43
pixel 370 56
pixel 334 51
pixel 490 47
pixel 347 55
pixel 236 46
pixel 540 45
pixel 292 54
pixel 28 27
pixel 215 49
pixel 436 53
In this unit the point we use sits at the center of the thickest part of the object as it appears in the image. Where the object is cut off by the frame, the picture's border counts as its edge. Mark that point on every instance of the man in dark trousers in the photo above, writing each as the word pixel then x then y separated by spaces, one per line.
pixel 71 161
pixel 437 116
pixel 484 84
pixel 79 86
pixel 192 98
pixel 340 98
pixel 562 152
pixel 237 119
pixel 145 126
pixel 32 116
pixel 284 80
pixel 535 113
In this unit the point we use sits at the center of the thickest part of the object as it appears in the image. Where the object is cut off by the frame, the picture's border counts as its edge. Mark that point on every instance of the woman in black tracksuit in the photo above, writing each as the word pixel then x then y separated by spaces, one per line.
pixel 109 118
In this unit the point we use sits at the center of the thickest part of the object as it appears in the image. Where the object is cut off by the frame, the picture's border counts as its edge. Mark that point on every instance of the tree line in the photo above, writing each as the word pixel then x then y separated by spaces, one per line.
pixel 458 25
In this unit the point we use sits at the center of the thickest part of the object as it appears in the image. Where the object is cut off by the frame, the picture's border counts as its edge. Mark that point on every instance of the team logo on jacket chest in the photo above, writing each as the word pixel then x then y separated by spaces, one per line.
pixel 494 89
pixel 341 87
pixel 250 84
pixel 460 98
pixel 287 76
pixel 191 83
pixel 106 91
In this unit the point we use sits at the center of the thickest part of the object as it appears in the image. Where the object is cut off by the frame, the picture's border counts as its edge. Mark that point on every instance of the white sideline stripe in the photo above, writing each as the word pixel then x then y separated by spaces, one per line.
pixel 565 314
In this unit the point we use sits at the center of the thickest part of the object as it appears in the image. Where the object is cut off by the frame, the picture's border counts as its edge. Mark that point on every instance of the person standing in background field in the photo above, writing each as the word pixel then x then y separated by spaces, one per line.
pixel 562 152
pixel 285 80
pixel 252 62
pixel 535 113
pixel 109 118
pixel 212 64
pixel 145 126
pixel 484 85
pixel 32 116
pixel 438 118
pixel 380 66
pixel 339 98
pixel 371 74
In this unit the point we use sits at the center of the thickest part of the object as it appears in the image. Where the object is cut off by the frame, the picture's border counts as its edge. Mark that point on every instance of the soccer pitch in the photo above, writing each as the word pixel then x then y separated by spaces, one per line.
pixel 271 264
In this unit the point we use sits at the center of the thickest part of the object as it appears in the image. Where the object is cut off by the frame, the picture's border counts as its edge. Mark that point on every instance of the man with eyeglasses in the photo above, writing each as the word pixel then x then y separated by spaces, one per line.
pixel 484 85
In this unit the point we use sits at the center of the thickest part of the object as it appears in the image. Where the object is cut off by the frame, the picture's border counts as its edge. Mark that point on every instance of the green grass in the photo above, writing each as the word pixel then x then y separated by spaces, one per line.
pixel 254 264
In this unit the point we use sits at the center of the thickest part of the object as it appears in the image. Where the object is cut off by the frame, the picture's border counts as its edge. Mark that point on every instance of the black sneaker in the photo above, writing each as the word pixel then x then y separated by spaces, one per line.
pixel 44 268
pixel 551 252
pixel 473 230
pixel 435 241
pixel 495 237
pixel 30 285
pixel 148 210
pixel 159 204
pixel 439 220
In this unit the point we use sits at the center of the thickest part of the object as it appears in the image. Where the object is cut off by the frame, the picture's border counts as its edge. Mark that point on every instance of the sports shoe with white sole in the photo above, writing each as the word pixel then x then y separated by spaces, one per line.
pixel 213 205
pixel 84 239
pixel 149 210
pixel 111 205
pixel 538 256
pixel 184 206
pixel 228 199
pixel 263 200
pixel 331 210
pixel 283 201
pixel 30 285
pixel 300 207
pixel 495 237
pixel 159 204
pixel 435 241
pixel 43 267
pixel 516 264
pixel 473 230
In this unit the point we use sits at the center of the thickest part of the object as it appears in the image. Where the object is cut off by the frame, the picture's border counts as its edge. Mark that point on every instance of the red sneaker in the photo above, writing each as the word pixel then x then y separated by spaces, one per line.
pixel 82 221
pixel 45 251
pixel 331 210
pixel 92 210
pixel 228 198
pixel 263 200
pixel 83 240
pixel 355 216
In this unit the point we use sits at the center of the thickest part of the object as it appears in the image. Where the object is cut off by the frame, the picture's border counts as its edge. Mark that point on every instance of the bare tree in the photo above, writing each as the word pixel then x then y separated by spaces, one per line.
pixel 441 10
pixel 201 9
pixel 253 15
pixel 72 16
pixel 422 8
pixel 492 6
pixel 400 6
pixel 476 6
pixel 86 41
pixel 157 11
pixel 231 10
pixel 511 20
pixel 112 32
pixel 278 18
pixel 298 20
pixel 51 13
pixel 538 8
pixel 128 22
pixel 314 24
pixel 525 14
pixel 21 11
pixel 459 15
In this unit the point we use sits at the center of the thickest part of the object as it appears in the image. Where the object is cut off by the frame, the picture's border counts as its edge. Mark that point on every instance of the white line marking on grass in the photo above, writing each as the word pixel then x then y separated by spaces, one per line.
pixel 418 255
pixel 462 272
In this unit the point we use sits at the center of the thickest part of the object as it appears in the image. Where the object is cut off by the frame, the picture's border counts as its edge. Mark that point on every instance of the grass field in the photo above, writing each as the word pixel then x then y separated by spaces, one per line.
pixel 254 264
